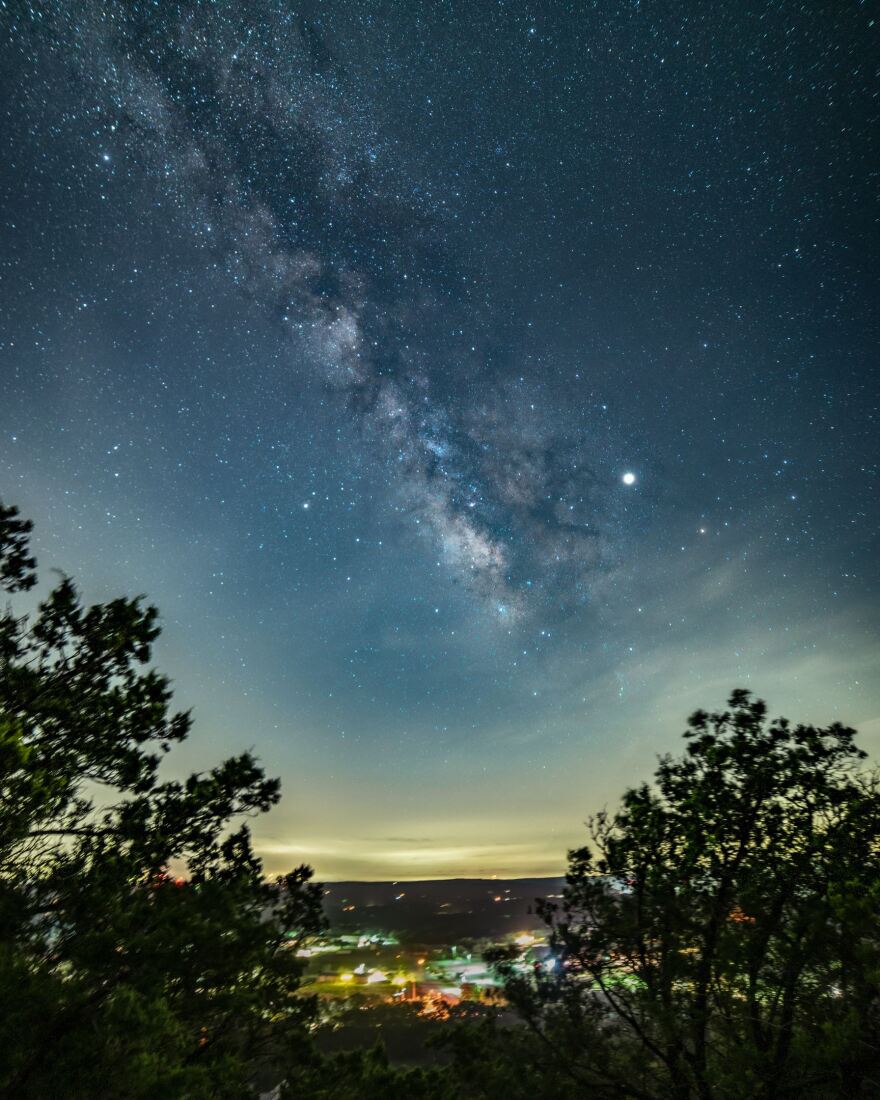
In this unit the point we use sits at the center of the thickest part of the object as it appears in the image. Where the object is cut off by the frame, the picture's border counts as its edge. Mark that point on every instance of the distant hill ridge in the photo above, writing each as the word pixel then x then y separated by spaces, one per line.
pixel 446 881
pixel 439 910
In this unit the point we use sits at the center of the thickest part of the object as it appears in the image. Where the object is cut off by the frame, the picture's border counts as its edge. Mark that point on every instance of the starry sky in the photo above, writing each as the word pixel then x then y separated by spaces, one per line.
pixel 476 386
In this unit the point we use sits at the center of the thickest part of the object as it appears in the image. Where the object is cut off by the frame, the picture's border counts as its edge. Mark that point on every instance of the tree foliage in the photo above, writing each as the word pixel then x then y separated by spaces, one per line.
pixel 367 1074
pixel 720 936
pixel 142 951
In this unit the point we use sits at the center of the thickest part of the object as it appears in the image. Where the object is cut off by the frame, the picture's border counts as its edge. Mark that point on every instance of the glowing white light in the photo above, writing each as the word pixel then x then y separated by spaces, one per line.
pixel 629 478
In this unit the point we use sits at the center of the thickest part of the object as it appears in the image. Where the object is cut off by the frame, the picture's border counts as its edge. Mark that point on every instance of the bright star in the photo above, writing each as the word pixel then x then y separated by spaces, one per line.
pixel 629 478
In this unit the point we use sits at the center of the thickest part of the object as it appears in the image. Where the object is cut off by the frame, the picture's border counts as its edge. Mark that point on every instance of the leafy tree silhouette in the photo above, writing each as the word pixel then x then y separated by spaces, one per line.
pixel 718 938
pixel 142 950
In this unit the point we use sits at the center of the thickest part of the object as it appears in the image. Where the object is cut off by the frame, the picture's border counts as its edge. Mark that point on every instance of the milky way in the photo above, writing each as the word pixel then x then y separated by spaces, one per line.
pixel 273 159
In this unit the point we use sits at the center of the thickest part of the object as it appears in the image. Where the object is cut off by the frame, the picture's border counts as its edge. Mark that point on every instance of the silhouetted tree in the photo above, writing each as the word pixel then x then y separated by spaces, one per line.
pixel 117 977
pixel 368 1075
pixel 720 936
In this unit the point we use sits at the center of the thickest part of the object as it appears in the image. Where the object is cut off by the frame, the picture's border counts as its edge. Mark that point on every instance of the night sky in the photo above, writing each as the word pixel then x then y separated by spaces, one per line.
pixel 476 387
